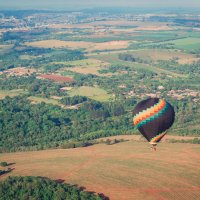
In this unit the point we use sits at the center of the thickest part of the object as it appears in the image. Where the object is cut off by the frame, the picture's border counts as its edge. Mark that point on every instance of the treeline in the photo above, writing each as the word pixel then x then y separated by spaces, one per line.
pixel 191 141
pixel 76 144
pixel 32 85
pixel 84 143
pixel 23 188
pixel 127 57
pixel 21 36
pixel 187 117
pixel 39 55
pixel 172 65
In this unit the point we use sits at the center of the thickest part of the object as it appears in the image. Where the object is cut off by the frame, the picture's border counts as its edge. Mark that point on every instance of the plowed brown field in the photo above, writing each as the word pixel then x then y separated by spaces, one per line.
pixel 57 78
pixel 124 171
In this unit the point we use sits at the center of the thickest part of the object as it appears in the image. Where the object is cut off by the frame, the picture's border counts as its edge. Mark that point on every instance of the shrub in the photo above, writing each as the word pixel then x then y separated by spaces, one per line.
pixel 3 164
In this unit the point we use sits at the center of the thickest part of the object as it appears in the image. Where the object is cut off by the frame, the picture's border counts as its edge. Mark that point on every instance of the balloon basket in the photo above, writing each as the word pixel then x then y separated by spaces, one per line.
pixel 153 147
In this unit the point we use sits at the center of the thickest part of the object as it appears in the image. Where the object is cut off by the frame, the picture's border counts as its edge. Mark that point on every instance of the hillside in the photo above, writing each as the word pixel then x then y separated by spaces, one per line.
pixel 127 170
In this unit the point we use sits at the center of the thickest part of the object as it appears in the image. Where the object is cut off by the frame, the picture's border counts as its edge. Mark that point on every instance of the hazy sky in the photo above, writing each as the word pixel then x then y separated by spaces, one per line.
pixel 78 4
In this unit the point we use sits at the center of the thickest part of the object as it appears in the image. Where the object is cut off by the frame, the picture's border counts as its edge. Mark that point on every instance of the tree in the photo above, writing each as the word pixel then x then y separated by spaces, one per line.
pixel 3 164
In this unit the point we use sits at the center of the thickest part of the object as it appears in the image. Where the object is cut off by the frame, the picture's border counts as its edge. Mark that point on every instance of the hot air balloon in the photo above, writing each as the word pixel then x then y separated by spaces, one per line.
pixel 153 117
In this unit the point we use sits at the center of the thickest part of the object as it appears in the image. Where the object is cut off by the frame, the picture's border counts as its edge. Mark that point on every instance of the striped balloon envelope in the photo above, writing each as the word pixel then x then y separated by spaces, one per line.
pixel 153 117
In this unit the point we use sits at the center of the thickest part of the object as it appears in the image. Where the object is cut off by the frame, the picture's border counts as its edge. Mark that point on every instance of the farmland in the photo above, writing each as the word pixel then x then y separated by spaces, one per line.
pixel 156 55
pixel 36 100
pixel 56 78
pixel 10 93
pixel 128 170
pixel 87 66
pixel 89 46
pixel 91 92
pixel 113 59
pixel 190 43
pixel 72 80
pixel 20 71
pixel 5 48
pixel 187 43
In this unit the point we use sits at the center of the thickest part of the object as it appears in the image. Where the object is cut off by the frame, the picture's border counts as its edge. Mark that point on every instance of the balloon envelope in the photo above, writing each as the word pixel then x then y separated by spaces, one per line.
pixel 153 117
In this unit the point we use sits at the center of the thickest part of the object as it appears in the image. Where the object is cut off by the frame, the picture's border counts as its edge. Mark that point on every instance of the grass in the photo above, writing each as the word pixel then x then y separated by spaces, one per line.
pixel 127 170
pixel 10 93
pixel 150 35
pixel 95 93
pixel 45 100
pixel 187 44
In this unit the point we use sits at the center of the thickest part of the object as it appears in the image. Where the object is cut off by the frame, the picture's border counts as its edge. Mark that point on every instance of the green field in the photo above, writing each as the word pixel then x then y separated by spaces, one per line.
pixel 95 93
pixel 156 36
pixel 127 170
pixel 10 93
pixel 187 44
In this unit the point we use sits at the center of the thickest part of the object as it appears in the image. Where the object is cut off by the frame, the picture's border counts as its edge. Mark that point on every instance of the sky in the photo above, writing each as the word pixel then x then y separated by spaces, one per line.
pixel 81 4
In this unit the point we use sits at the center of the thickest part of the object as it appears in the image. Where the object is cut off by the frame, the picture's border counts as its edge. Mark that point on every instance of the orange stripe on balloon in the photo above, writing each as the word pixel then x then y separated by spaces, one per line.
pixel 152 111
pixel 158 137
pixel 148 113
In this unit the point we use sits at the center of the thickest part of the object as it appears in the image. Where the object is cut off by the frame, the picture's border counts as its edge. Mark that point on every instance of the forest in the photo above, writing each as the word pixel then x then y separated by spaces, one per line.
pixel 23 188
pixel 43 126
